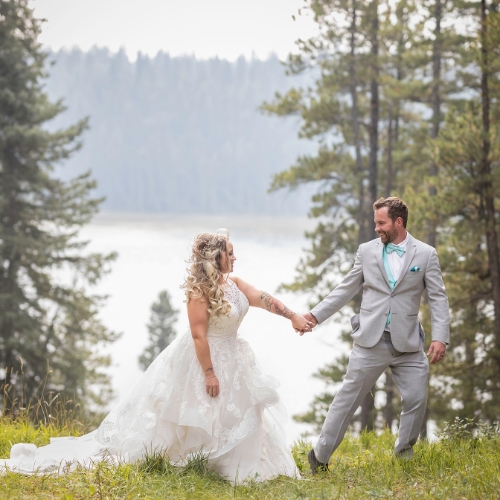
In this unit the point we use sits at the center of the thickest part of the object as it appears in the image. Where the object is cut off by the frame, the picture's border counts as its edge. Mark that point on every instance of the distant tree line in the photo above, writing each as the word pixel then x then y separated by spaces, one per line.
pixel 407 104
pixel 176 134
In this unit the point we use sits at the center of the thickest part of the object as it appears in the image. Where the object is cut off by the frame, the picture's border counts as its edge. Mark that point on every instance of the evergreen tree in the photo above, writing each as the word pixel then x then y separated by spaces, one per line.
pixel 465 206
pixel 160 327
pixel 49 329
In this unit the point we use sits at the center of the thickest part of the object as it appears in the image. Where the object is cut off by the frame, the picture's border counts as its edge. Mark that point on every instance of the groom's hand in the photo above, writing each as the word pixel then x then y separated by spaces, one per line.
pixel 312 322
pixel 301 324
pixel 438 350
pixel 310 318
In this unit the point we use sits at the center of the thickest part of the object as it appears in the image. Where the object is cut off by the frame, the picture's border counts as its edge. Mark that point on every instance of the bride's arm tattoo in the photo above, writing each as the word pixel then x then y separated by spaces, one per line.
pixel 275 306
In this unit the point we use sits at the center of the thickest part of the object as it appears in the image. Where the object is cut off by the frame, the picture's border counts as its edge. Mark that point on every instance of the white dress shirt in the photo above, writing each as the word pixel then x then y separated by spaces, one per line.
pixel 395 261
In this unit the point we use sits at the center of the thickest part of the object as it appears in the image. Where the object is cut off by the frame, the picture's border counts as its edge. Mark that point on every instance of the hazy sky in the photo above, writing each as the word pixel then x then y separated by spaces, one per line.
pixel 205 28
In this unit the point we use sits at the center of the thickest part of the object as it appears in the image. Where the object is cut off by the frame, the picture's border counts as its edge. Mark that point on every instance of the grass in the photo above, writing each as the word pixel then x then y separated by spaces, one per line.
pixel 462 466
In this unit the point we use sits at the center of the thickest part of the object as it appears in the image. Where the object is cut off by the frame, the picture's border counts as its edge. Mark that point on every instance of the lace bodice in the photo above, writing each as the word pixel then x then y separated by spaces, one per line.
pixel 227 326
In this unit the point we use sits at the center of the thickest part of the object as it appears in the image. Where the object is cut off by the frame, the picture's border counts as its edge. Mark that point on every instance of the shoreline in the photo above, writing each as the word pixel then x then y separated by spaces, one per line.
pixel 241 226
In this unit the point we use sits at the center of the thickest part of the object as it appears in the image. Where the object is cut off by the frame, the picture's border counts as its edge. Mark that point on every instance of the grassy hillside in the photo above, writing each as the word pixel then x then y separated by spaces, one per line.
pixel 460 467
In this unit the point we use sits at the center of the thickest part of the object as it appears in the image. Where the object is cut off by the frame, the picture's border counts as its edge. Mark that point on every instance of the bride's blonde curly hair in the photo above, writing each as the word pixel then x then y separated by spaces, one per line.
pixel 205 272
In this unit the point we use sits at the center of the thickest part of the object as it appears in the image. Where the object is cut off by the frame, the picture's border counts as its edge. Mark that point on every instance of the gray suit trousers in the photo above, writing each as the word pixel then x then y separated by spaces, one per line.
pixel 410 371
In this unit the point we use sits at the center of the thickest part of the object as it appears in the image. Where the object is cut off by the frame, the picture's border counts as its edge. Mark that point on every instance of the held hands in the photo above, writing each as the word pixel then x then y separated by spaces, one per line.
pixel 302 324
pixel 311 319
pixel 311 323
pixel 438 350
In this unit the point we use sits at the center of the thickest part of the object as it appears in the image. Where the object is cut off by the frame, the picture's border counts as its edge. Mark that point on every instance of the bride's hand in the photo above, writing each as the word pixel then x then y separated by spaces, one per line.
pixel 301 324
pixel 212 386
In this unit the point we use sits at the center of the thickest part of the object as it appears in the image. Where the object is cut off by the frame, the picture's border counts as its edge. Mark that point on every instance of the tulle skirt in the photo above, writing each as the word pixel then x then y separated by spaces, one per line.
pixel 168 411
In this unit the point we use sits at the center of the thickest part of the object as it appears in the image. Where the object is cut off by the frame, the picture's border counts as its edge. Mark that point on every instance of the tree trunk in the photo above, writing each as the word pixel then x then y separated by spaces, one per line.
pixel 469 397
pixel 368 412
pixel 374 106
pixel 437 50
pixel 388 180
pixel 353 87
pixel 10 260
pixel 437 54
pixel 486 182
pixel 389 391
pixel 7 332
pixel 368 404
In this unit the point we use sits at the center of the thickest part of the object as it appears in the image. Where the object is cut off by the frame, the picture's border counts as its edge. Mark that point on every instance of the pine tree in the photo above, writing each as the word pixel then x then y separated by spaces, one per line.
pixel 468 160
pixel 49 329
pixel 160 327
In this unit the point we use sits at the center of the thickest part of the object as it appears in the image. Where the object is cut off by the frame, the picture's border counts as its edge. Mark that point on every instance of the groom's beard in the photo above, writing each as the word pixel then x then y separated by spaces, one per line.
pixel 388 236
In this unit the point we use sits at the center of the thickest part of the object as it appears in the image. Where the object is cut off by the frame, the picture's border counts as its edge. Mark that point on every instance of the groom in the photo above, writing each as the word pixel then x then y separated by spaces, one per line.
pixel 393 272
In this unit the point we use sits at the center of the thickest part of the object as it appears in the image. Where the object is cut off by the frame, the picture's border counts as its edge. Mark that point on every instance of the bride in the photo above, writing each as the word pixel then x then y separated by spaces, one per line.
pixel 204 393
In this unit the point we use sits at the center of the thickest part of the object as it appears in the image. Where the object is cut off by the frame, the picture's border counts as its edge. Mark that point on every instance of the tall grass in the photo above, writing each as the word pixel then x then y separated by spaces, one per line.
pixel 463 464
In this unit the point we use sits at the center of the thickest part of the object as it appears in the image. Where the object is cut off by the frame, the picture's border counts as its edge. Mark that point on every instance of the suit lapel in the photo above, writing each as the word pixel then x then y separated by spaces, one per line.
pixel 411 249
pixel 380 262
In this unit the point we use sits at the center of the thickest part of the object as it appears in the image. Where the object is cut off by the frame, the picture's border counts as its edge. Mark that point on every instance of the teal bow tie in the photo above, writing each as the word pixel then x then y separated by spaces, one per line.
pixel 391 247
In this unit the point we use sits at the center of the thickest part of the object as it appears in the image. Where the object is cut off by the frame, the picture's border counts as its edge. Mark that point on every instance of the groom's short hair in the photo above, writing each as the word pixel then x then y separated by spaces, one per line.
pixel 396 207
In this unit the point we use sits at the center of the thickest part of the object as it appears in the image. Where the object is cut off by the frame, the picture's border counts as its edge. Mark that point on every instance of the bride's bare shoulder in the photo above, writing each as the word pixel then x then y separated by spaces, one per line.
pixel 234 279
pixel 240 283
pixel 243 285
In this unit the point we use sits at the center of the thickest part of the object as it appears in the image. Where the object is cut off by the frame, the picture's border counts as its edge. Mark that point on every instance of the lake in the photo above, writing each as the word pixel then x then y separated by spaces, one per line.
pixel 152 253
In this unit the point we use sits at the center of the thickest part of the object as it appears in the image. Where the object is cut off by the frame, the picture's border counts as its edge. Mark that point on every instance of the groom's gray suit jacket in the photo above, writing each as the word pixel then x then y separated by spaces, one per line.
pixel 420 272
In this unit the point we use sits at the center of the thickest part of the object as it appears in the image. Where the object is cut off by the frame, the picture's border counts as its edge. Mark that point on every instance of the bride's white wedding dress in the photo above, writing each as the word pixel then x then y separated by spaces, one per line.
pixel 169 411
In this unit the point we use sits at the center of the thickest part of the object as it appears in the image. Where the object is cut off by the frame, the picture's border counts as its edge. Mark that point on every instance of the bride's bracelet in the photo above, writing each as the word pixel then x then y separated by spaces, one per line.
pixel 213 376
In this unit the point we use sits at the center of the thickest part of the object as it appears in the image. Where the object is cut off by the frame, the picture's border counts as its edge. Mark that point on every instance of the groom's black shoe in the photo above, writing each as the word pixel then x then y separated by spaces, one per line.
pixel 315 464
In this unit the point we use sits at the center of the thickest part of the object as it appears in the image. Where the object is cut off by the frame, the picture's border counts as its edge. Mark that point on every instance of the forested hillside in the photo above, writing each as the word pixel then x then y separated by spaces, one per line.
pixel 177 134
